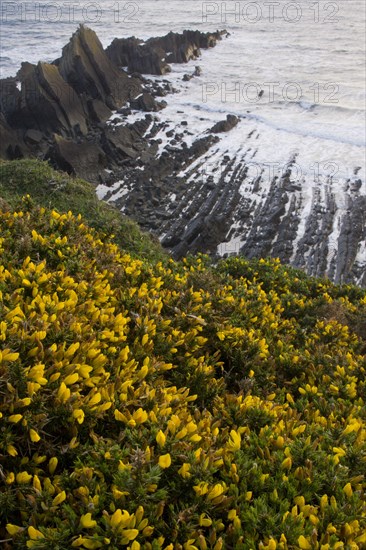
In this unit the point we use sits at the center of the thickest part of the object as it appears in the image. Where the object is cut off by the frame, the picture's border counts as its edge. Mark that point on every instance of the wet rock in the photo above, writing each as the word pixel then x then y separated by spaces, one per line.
pixel 34 137
pixel 10 97
pixel 98 111
pixel 154 55
pixel 137 56
pixel 145 102
pixel 12 145
pixel 86 67
pixel 85 160
pixel 224 125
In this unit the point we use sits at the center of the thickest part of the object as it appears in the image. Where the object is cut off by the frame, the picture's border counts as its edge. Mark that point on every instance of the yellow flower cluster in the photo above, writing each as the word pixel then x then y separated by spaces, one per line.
pixel 173 405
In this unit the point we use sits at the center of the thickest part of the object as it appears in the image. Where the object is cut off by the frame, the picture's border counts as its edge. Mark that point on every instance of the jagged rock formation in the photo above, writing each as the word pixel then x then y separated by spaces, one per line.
pixel 59 111
pixel 85 65
pixel 155 55
pixel 53 110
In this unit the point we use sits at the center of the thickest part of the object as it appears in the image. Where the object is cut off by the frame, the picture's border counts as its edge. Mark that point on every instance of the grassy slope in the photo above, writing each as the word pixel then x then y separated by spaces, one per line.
pixel 175 405
pixel 58 190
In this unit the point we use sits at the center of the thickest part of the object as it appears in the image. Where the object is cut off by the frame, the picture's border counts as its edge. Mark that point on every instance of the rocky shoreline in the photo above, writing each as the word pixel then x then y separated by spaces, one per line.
pixel 90 117
pixel 58 111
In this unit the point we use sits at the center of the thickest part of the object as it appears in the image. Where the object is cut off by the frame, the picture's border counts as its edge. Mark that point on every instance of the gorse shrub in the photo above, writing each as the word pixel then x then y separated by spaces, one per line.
pixel 173 405
pixel 58 190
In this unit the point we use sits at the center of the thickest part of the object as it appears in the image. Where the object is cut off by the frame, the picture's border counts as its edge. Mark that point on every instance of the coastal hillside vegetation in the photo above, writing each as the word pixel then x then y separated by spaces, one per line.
pixel 53 189
pixel 152 404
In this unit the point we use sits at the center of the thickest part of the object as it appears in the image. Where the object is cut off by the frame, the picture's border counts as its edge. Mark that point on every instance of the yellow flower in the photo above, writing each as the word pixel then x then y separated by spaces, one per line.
pixel 128 534
pixel 10 478
pixel 12 450
pixel 13 529
pixel 119 416
pixel 87 543
pixel 216 491
pixel 205 521
pixel 84 371
pixel 195 438
pixel 339 451
pixel 79 415
pixel 140 416
pixel 95 399
pixel 234 441
pixel 120 519
pixel 36 483
pixel 165 461
pixel 15 418
pixel 34 436
pixel 160 438
pixel 6 355
pixel 71 379
pixel 279 443
pixel 353 426
pixel 34 533
pixel 287 463
pixel 59 498
pixel 184 471
pixel 63 392
pixel 23 478
pixel 347 489
pixel 303 543
pixel 87 522
pixel 52 464
pixel 289 398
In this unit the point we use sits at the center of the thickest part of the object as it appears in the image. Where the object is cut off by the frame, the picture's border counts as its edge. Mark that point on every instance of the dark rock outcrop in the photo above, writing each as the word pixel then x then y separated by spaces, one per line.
pixel 48 103
pixel 60 110
pixel 83 158
pixel 146 102
pixel 12 145
pixel 85 65
pixel 155 55
pixel 137 56
pixel 225 125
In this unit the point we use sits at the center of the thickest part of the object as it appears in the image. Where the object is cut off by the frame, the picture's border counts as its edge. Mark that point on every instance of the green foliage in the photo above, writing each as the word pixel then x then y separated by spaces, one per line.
pixel 53 189
pixel 172 405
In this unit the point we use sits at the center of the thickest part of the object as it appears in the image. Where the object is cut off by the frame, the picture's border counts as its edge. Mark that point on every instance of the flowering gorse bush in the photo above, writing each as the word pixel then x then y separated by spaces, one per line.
pixel 173 405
